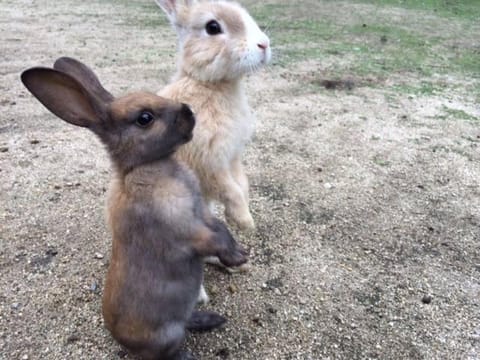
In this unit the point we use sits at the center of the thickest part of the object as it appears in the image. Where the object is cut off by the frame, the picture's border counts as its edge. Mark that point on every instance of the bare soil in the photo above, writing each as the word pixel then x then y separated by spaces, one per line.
pixel 367 205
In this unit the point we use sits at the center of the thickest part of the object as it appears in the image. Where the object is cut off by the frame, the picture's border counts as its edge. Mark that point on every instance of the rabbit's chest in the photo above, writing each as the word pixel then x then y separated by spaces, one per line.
pixel 232 133
pixel 242 127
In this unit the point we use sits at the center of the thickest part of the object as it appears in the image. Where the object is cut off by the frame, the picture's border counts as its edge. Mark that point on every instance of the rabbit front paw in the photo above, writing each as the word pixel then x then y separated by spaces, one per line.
pixel 243 221
pixel 234 256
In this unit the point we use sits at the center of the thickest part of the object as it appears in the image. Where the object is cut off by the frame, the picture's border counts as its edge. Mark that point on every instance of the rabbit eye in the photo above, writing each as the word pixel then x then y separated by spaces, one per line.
pixel 145 119
pixel 213 28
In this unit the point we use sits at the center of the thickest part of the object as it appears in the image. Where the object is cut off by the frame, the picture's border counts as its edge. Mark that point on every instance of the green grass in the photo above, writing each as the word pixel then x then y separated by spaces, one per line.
pixel 151 20
pixel 467 9
pixel 374 46
pixel 421 88
pixel 142 14
pixel 381 161
pixel 459 114
pixel 452 149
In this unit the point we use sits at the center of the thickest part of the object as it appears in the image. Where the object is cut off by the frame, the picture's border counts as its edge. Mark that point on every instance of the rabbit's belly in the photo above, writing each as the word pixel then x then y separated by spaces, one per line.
pixel 244 129
pixel 233 144
pixel 230 142
pixel 215 149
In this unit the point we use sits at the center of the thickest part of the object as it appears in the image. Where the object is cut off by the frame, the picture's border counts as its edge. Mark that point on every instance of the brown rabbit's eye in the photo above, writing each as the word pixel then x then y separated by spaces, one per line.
pixel 213 28
pixel 144 119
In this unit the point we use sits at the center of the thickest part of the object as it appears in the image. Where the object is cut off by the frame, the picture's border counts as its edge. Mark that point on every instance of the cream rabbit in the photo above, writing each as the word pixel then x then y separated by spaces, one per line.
pixel 219 43
pixel 160 229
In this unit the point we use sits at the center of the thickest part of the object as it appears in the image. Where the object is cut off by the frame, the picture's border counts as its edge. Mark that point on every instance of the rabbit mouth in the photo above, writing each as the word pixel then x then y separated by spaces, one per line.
pixel 188 137
pixel 188 122
pixel 185 130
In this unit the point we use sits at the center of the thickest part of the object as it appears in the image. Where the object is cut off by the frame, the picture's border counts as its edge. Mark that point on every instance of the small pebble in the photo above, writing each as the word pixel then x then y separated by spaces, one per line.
pixel 34 142
pixel 232 288
pixel 256 319
pixel 98 256
pixel 223 353
pixel 73 338
pixel 51 252
pixel 272 310
pixel 213 290
pixel 3 149
pixel 427 299
pixel 54 198
pixel 274 283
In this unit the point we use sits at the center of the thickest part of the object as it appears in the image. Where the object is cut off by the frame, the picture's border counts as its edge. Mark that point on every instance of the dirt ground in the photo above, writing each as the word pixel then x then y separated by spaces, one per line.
pixel 367 206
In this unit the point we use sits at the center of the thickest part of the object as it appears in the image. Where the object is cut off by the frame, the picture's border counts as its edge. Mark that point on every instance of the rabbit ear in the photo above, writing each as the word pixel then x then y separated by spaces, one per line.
pixel 64 96
pixel 168 6
pixel 84 75
pixel 175 9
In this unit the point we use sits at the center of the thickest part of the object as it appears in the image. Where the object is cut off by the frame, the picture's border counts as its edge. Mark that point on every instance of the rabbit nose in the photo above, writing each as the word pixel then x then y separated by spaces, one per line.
pixel 186 118
pixel 263 45
pixel 186 111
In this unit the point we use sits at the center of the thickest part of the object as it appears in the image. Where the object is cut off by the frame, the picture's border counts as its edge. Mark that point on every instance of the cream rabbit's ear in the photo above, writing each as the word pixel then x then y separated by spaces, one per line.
pixel 176 10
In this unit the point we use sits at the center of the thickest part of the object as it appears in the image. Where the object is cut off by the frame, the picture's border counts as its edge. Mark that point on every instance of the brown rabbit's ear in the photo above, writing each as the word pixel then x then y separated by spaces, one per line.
pixel 64 96
pixel 84 75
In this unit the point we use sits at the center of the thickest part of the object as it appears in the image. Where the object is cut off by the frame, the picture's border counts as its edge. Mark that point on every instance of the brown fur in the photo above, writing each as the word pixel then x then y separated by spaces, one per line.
pixel 160 229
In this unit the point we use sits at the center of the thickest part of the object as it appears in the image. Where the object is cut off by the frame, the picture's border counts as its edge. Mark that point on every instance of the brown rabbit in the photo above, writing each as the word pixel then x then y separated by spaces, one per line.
pixel 160 228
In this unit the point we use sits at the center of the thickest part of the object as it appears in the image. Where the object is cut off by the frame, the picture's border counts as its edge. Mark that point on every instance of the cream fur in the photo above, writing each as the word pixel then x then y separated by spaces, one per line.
pixel 210 80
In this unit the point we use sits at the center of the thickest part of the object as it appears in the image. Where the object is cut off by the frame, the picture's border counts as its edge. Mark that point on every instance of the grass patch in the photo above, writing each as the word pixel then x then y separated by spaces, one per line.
pixel 454 150
pixel 459 114
pixel 380 161
pixel 422 88
pixel 467 61
pixel 466 9
pixel 373 46
pixel 142 14
pixel 387 48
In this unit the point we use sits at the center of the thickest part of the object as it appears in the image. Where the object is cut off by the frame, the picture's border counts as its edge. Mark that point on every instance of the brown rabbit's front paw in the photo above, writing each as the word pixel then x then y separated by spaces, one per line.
pixel 234 257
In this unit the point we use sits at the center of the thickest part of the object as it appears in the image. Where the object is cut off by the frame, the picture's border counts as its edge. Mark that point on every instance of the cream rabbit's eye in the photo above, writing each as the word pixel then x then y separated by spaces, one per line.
pixel 213 28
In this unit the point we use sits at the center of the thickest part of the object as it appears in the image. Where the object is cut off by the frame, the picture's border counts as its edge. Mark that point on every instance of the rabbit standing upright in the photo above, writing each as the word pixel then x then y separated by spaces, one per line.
pixel 160 228
pixel 219 43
